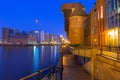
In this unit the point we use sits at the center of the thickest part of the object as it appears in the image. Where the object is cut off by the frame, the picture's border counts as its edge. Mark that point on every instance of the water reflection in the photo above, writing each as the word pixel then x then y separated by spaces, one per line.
pixel 42 49
pixel 17 62
pixel 52 52
pixel 42 55
pixel 36 58
pixel 55 51
pixel 0 55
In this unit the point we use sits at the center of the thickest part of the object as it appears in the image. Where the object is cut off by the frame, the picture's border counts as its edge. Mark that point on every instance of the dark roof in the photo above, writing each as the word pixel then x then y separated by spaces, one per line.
pixel 78 11
pixel 67 6
pixel 71 5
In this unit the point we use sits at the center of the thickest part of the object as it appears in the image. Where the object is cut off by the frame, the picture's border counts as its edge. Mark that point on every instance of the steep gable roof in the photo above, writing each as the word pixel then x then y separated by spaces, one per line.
pixel 71 5
pixel 78 11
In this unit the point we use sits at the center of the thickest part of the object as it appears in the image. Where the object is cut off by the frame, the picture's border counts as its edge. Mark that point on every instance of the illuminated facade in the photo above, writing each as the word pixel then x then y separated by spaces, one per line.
pixel 67 9
pixel 101 21
pixel 52 39
pixel 112 22
pixel 93 27
pixel 42 36
pixel 47 38
pixel 101 26
pixel 87 32
pixel 105 23
pixel 32 39
pixel 75 16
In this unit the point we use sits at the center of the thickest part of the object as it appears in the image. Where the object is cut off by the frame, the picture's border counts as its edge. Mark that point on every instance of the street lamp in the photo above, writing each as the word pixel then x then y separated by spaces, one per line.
pixel 109 38
pixel 61 36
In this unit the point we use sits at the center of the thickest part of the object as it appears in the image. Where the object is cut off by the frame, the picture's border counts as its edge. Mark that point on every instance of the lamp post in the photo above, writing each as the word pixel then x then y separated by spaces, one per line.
pixel 109 41
pixel 118 56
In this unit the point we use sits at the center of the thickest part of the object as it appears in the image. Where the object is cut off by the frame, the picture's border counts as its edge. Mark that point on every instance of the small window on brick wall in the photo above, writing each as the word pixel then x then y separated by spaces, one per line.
pixel 98 14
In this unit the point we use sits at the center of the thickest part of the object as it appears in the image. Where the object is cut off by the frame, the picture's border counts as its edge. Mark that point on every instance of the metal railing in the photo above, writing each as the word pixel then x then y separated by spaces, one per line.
pixel 112 51
pixel 49 73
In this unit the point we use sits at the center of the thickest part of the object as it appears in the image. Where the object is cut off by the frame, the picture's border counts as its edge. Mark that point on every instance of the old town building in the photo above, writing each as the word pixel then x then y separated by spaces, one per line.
pixel 93 26
pixel 100 27
pixel 101 21
pixel 21 39
pixel 75 16
pixel 87 31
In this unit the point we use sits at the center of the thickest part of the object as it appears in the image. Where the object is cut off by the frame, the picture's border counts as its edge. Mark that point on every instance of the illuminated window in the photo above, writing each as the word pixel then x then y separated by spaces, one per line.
pixel 119 10
pixel 101 12
pixel 98 14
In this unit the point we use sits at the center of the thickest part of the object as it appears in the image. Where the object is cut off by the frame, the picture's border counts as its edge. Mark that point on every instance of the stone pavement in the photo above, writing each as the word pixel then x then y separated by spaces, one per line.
pixel 73 71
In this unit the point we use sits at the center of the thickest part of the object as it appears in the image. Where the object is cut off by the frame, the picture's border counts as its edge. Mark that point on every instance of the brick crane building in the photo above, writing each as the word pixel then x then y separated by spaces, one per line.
pixel 75 15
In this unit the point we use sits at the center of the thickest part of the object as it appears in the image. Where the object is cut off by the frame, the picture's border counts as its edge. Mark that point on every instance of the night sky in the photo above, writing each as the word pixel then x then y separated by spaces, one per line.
pixel 21 14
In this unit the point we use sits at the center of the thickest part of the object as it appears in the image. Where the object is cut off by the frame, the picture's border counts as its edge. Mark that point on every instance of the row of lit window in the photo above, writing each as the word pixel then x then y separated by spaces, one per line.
pixel 100 12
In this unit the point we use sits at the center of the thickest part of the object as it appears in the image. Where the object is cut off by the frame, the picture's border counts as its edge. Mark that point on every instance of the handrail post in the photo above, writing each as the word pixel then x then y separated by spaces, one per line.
pixel 61 71
pixel 40 75
pixel 50 72
pixel 118 54
pixel 37 77
pixel 101 50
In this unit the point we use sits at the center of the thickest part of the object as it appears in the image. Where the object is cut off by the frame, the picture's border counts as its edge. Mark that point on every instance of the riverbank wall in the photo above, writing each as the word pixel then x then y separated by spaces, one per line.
pixel 99 66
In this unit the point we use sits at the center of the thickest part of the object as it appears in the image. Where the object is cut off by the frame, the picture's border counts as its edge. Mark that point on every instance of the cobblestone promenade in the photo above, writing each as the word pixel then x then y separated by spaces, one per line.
pixel 71 70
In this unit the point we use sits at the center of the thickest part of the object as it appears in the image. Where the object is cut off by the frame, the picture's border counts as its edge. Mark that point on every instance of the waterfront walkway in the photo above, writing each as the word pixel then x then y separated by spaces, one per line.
pixel 73 71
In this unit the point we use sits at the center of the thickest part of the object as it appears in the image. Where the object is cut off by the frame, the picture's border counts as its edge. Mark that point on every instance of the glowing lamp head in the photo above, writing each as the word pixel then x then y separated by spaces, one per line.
pixel 61 36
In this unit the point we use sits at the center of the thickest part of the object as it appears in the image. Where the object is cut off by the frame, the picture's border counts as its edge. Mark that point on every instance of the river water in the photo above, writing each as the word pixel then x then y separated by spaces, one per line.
pixel 18 62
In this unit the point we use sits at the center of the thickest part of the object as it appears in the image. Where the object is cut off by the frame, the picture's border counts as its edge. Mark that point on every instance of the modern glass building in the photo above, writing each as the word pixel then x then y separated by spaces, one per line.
pixel 112 22
pixel 113 13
